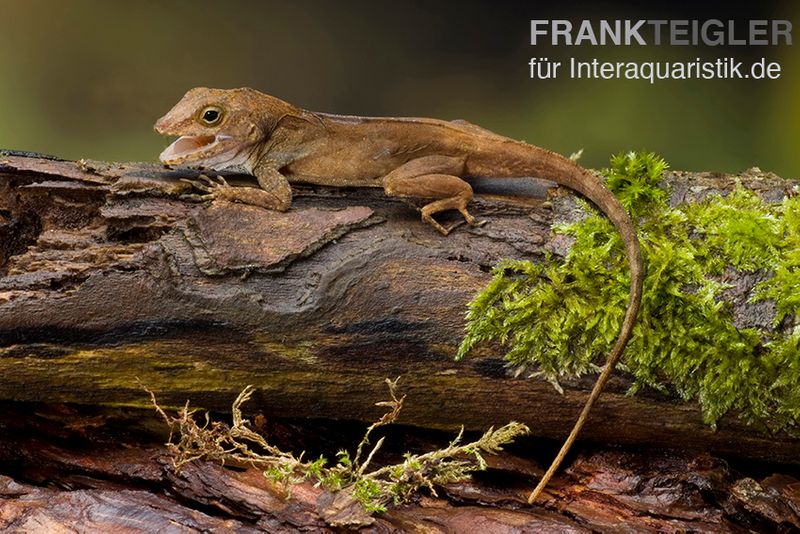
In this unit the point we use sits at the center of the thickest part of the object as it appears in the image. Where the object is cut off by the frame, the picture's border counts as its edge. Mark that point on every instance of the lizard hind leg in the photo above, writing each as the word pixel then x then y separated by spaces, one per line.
pixel 433 178
pixel 450 192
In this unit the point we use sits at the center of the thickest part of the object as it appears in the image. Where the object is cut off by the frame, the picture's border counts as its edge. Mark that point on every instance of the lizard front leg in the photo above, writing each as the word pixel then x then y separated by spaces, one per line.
pixel 274 194
pixel 433 177
pixel 275 188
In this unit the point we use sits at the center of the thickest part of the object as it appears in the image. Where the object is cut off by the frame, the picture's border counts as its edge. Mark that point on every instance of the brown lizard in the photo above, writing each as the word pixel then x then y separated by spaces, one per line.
pixel 247 131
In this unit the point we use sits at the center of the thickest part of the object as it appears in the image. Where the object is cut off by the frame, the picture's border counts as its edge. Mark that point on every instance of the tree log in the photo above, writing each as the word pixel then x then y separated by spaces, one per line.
pixel 61 472
pixel 108 277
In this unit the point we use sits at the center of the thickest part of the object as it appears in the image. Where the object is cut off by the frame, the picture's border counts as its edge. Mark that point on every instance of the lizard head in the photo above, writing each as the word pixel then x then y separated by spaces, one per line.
pixel 217 128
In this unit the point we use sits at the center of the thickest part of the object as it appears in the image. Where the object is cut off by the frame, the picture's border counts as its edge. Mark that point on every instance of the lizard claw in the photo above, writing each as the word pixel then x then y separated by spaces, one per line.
pixel 197 198
pixel 211 188
pixel 197 184
pixel 214 182
pixel 452 227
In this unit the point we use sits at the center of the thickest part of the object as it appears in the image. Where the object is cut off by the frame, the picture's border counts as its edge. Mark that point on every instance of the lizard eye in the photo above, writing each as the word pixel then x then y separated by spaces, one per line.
pixel 211 115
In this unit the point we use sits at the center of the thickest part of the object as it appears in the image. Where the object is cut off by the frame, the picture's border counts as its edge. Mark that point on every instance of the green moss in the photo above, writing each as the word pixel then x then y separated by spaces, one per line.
pixel 559 318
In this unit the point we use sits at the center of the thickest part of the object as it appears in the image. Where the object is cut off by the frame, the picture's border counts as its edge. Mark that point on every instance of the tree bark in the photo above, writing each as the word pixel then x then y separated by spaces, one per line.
pixel 109 278
pixel 67 475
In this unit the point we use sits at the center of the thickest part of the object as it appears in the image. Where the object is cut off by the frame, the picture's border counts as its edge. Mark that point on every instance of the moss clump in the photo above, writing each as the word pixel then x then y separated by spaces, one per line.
pixel 560 317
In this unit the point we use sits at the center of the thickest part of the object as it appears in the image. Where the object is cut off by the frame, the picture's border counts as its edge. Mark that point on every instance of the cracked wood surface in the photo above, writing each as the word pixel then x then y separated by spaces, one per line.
pixel 99 471
pixel 108 276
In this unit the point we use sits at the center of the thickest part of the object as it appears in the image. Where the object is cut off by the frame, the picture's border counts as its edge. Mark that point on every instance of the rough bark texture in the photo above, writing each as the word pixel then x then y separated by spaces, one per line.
pixel 67 470
pixel 107 276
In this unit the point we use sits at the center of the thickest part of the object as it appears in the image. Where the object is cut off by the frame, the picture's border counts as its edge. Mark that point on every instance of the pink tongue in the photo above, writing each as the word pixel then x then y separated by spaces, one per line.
pixel 186 144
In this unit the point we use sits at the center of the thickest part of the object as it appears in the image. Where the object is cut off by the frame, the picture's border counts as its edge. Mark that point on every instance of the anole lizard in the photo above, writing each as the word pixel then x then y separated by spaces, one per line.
pixel 248 131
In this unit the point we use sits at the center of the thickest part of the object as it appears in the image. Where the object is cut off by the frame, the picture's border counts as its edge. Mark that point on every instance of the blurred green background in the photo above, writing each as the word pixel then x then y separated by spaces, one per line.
pixel 88 78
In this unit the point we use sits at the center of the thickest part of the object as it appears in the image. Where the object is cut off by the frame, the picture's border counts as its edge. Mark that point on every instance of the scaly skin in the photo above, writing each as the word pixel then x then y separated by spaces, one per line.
pixel 278 143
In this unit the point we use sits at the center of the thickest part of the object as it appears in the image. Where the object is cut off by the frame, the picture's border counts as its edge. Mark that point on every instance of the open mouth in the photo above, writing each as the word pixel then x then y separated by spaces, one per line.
pixel 190 146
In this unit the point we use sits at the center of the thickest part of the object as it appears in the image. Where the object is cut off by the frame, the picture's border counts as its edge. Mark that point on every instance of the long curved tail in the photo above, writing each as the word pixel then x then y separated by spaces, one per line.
pixel 564 172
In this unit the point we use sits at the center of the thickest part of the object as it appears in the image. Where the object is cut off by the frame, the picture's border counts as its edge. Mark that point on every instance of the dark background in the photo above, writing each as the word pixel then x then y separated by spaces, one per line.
pixel 88 78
